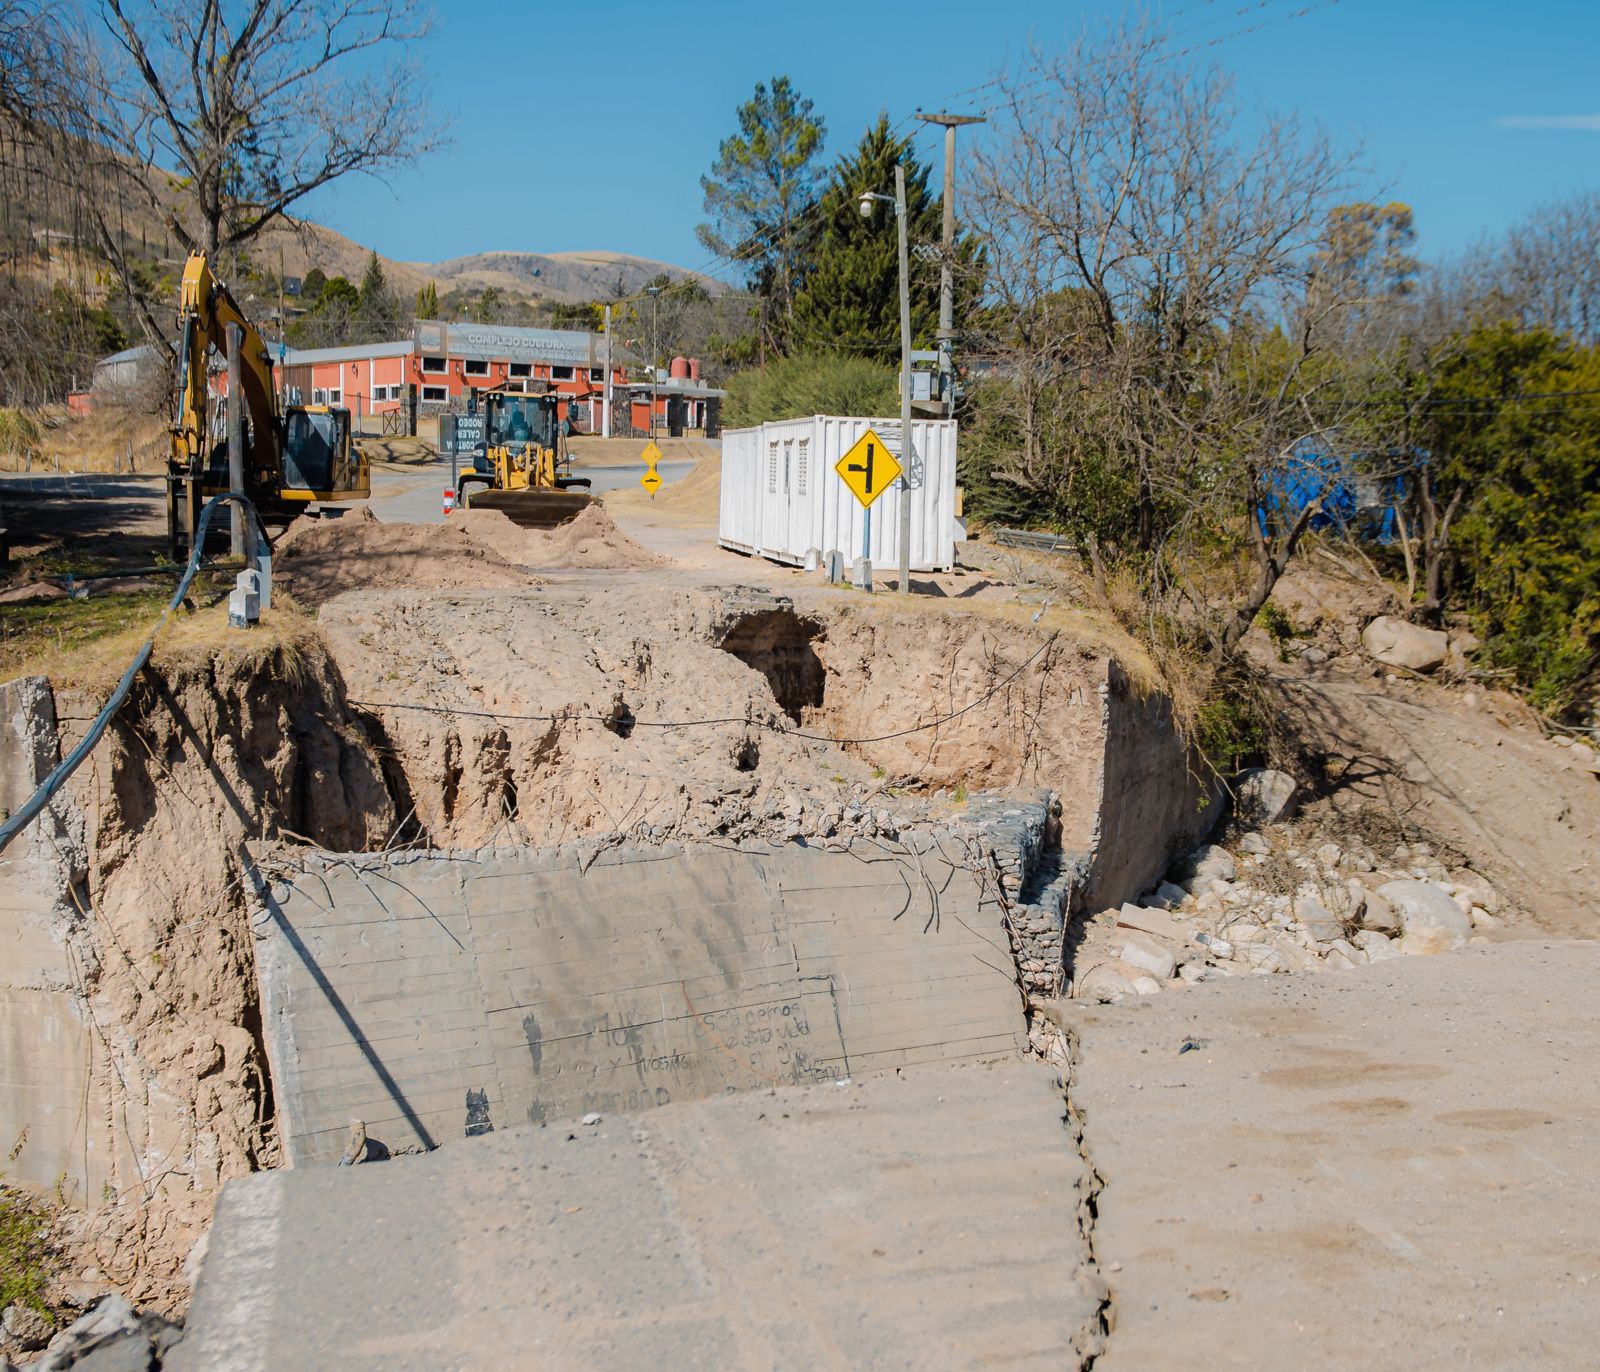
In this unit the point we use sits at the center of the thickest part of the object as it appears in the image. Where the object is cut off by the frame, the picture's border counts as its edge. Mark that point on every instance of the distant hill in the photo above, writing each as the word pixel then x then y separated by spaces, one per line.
pixel 562 276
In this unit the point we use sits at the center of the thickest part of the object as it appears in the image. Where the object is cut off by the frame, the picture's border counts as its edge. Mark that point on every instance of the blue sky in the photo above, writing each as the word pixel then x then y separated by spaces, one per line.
pixel 1472 111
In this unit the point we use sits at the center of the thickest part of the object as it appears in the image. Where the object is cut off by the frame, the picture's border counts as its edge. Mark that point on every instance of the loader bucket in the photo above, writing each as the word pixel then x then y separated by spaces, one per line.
pixel 534 508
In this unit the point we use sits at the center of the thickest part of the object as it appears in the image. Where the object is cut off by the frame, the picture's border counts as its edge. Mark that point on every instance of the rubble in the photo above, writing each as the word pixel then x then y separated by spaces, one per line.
pixel 1347 908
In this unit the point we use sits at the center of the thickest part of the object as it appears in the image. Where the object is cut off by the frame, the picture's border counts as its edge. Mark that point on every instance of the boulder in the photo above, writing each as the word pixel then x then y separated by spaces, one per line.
pixel 1264 796
pixel 1254 842
pixel 1379 914
pixel 1148 955
pixel 1318 920
pixel 1211 863
pixel 1155 922
pixel 1422 905
pixel 1396 643
pixel 1146 986
pixel 1427 940
pixel 1375 945
pixel 27 1327
pixel 1103 983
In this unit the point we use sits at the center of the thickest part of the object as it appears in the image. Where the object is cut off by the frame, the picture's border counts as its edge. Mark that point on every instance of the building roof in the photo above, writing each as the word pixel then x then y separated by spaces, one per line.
pixel 350 352
pixel 508 343
pixel 695 390
pixel 136 353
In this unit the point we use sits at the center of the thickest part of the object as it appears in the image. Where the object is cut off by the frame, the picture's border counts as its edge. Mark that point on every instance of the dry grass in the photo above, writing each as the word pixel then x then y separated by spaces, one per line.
pixel 106 441
pixel 86 645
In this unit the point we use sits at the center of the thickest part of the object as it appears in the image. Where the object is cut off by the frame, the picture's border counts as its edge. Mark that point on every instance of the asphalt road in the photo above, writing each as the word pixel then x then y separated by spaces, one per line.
pixel 415 495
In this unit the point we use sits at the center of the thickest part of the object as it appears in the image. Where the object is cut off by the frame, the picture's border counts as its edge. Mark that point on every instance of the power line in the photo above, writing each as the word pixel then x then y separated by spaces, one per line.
pixel 613 722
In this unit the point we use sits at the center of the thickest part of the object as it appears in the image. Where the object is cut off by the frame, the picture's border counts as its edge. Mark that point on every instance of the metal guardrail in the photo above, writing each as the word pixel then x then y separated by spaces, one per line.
pixel 34 806
pixel 1033 540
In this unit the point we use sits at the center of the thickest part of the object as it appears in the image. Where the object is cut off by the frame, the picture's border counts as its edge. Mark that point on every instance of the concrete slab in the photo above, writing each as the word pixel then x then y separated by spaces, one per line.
pixel 1388 1166
pixel 925 1220
pixel 441 996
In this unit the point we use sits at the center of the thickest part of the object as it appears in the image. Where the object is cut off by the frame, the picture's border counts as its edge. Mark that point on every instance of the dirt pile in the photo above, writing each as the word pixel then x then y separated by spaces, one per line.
pixel 591 540
pixel 322 558
pixel 695 498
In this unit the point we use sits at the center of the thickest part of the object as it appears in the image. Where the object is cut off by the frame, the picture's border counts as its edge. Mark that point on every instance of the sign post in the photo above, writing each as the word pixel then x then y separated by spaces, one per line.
pixel 868 469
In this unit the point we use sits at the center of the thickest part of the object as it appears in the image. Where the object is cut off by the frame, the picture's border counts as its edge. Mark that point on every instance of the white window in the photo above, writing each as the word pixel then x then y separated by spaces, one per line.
pixel 335 395
pixel 435 395
pixel 475 366
pixel 561 373
pixel 597 373
pixel 802 469
pixel 434 364
pixel 772 467
pixel 318 396
pixel 520 369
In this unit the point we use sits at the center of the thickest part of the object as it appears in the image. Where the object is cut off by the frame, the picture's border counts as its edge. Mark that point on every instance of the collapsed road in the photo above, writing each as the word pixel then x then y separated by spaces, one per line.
pixel 655 951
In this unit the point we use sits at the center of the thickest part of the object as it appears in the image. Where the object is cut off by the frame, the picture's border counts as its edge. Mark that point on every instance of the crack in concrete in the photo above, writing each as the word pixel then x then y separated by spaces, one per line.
pixel 1090 1341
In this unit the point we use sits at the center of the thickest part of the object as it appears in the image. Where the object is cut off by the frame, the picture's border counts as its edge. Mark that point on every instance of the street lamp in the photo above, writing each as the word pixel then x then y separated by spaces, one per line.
pixel 655 356
pixel 898 200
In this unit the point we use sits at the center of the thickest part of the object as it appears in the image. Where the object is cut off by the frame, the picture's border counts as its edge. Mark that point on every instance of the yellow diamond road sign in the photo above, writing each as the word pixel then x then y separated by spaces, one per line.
pixel 868 469
pixel 651 454
pixel 650 480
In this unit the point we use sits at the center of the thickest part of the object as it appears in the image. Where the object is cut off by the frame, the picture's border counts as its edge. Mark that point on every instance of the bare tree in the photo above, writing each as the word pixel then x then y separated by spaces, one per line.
pixel 1548 268
pixel 251 106
pixel 1169 307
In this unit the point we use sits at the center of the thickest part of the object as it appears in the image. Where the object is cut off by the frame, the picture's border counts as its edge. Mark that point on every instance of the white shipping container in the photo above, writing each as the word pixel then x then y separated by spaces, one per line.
pixel 782 498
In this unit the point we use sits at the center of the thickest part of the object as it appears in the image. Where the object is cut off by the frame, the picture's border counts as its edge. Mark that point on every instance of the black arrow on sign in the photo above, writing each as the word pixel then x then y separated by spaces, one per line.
pixel 864 468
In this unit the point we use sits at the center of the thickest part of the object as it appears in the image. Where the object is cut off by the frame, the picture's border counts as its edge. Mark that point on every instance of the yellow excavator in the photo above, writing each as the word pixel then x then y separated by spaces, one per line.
pixel 293 456
pixel 522 470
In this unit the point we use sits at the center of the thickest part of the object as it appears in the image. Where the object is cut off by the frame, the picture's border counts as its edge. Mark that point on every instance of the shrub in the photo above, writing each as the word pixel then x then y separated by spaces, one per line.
pixel 811 383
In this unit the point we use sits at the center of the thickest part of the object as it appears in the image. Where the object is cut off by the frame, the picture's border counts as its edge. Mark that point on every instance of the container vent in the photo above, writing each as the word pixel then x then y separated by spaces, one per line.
pixel 772 467
pixel 800 474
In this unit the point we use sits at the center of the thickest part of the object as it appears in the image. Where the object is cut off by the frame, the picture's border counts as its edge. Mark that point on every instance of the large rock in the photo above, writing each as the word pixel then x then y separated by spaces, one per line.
pixel 1148 955
pixel 1318 920
pixel 1422 905
pixel 1264 796
pixel 1379 914
pixel 1103 983
pixel 1211 863
pixel 1395 643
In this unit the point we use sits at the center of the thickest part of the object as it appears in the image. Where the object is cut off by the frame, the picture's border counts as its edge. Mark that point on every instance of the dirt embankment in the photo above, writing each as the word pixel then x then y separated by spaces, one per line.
pixel 550 715
pixel 214 747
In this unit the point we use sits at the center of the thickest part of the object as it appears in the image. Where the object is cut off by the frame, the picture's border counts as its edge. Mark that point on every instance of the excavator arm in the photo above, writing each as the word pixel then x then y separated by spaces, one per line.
pixel 205 309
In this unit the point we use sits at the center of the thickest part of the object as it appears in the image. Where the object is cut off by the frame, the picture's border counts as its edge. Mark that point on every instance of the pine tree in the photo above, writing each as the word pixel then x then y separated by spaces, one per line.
pixel 758 193
pixel 851 299
pixel 374 288
pixel 428 302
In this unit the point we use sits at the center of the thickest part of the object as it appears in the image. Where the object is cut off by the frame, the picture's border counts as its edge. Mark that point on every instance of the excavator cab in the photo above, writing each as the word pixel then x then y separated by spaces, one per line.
pixel 317 455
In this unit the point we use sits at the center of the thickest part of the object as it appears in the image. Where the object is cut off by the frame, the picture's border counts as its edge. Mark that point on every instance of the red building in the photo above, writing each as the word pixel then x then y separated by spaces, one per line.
pixel 446 361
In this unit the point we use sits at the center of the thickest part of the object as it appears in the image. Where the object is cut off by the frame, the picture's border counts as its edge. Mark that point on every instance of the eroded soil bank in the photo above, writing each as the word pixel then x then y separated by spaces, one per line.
pixel 524 715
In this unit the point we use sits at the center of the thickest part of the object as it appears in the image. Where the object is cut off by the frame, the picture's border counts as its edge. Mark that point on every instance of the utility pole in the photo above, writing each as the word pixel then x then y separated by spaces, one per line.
pixel 905 380
pixel 606 424
pixel 950 123
pixel 235 340
pixel 898 200
pixel 654 293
